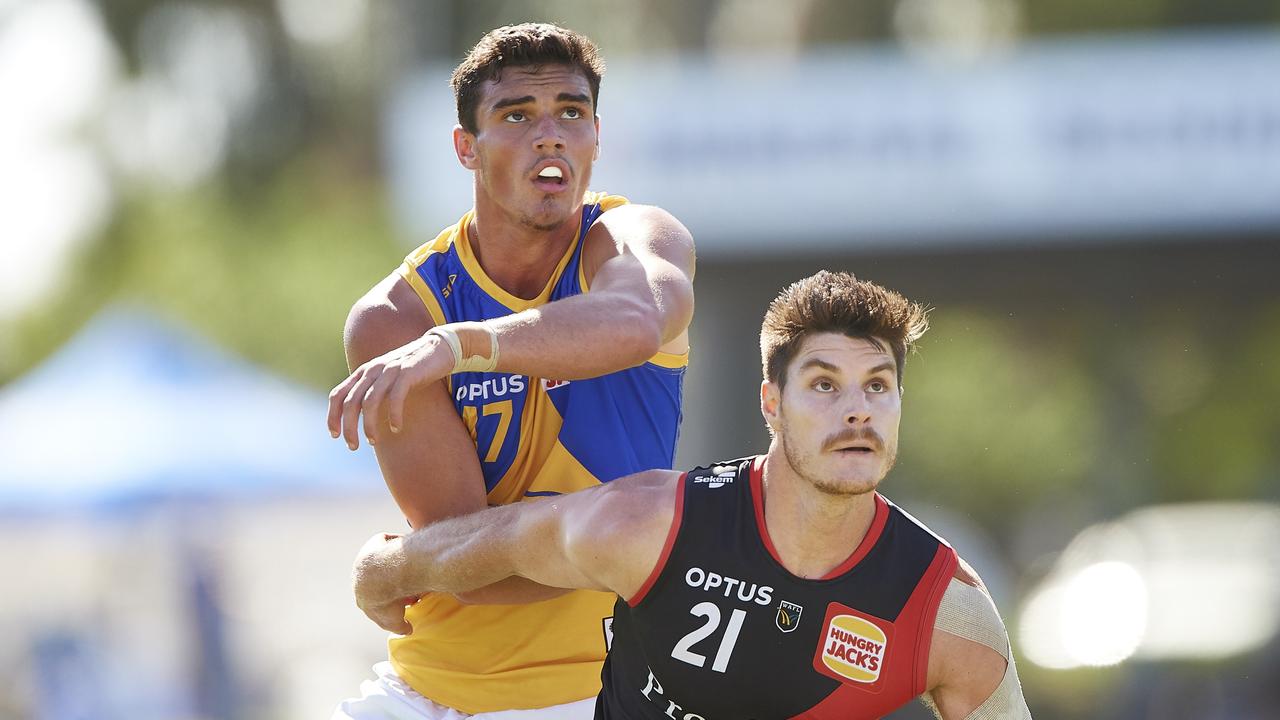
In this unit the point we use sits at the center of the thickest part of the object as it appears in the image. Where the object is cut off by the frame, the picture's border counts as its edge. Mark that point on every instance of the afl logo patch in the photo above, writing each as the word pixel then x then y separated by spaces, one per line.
pixel 788 616
pixel 853 647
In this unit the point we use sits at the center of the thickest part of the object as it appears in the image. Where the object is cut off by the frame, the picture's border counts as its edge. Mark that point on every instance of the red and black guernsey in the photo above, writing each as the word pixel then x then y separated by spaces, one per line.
pixel 722 631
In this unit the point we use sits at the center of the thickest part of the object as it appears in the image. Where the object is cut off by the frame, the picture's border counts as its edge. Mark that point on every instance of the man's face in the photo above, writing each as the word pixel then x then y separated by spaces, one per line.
pixel 838 417
pixel 531 123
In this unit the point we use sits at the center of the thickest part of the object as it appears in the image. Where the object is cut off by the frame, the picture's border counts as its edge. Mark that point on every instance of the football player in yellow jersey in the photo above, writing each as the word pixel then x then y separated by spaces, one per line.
pixel 461 359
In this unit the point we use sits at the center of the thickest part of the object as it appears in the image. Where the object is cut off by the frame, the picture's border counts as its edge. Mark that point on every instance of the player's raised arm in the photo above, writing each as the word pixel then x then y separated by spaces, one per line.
pixel 605 538
pixel 639 261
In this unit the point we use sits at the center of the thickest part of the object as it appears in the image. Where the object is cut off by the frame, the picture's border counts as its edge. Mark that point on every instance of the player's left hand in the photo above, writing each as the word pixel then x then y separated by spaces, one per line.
pixel 372 576
pixel 390 617
pixel 386 380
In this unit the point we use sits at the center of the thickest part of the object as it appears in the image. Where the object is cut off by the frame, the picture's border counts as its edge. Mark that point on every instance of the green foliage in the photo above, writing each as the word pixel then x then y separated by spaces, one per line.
pixel 271 279
pixel 1094 15
pixel 993 422
pixel 1223 439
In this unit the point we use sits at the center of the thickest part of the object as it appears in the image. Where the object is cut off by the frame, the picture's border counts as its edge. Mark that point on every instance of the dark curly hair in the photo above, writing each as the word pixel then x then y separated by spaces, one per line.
pixel 837 302
pixel 519 46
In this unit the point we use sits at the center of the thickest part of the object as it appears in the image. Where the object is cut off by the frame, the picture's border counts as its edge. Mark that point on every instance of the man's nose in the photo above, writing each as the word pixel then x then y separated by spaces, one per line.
pixel 548 136
pixel 857 410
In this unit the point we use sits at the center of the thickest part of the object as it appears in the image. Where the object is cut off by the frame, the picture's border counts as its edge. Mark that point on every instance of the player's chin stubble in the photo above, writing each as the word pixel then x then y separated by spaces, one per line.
pixel 803 466
pixel 533 223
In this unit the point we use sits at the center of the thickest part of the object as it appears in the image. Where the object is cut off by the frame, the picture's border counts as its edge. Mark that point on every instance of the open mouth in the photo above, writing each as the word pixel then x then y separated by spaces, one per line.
pixel 550 178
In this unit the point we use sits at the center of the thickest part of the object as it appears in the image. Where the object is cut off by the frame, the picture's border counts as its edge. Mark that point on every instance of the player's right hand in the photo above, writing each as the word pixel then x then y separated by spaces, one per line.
pixel 387 379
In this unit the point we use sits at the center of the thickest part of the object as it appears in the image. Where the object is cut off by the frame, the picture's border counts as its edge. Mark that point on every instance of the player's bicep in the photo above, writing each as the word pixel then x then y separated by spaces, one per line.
pixel 645 251
pixel 430 465
pixel 608 537
pixel 530 539
pixel 973 673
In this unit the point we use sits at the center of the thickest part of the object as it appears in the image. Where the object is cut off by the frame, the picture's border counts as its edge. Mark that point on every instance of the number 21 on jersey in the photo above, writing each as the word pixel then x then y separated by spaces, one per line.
pixel 683 651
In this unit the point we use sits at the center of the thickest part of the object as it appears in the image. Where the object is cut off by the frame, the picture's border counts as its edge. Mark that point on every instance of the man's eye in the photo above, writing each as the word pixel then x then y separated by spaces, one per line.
pixel 514 117
pixel 876 386
pixel 571 113
pixel 824 386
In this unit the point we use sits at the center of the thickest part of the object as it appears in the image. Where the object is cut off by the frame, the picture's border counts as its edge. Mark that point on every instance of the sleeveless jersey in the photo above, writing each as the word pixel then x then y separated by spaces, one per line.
pixel 535 437
pixel 722 631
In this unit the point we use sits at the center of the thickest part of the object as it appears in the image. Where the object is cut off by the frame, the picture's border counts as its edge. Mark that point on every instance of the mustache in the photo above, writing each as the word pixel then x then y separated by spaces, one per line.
pixel 850 435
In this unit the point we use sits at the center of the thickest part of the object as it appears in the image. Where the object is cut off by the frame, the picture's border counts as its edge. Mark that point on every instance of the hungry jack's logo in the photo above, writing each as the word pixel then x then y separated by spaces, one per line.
pixel 853 647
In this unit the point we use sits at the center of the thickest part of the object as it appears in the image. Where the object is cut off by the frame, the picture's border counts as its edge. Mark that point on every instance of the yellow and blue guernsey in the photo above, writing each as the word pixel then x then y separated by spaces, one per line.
pixel 535 437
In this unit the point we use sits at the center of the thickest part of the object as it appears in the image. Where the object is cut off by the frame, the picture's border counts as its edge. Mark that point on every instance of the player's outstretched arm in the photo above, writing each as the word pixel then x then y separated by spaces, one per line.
pixel 972 675
pixel 640 264
pixel 604 538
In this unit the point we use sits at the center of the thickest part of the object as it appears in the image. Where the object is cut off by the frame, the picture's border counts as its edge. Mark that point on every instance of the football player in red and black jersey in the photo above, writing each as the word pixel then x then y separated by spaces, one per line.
pixel 777 586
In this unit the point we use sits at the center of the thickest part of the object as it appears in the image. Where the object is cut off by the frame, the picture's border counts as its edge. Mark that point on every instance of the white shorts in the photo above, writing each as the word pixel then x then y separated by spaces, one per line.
pixel 390 698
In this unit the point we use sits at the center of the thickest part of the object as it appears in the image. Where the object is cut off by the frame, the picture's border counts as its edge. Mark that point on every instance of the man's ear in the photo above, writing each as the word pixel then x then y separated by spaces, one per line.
pixel 770 405
pixel 464 144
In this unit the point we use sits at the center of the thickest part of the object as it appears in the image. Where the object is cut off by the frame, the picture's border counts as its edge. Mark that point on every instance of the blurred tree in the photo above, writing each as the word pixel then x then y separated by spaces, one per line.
pixel 832 22
pixel 272 281
pixel 1059 17
pixel 999 418
pixel 1221 439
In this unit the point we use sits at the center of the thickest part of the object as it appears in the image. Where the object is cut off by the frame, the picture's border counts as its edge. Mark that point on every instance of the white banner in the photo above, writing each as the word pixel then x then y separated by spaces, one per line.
pixel 1143 135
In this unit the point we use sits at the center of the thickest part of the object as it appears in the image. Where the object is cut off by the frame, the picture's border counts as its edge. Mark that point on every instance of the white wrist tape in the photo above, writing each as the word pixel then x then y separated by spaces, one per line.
pixel 967 612
pixel 474 345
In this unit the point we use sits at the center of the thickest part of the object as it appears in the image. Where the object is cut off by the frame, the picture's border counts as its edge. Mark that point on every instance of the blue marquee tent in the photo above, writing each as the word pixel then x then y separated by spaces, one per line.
pixel 135 408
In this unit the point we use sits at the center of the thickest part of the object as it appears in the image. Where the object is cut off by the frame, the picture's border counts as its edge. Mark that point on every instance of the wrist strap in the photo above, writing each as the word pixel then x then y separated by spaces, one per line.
pixel 474 345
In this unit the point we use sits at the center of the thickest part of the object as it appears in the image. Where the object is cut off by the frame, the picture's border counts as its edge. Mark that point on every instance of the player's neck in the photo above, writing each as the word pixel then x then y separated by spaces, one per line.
pixel 812 531
pixel 520 259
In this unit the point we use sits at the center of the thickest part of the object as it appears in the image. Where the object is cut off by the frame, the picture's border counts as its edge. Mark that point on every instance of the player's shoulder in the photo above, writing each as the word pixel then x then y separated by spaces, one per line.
pixel 969 657
pixel 637 489
pixel 636 216
pixel 642 230
pixel 968 611
pixel 634 503
pixel 628 223
pixel 632 516
pixel 386 317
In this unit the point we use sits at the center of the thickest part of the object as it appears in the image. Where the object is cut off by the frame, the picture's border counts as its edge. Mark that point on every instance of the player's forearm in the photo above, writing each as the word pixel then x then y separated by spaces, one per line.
pixel 580 337
pixel 457 555
pixel 391 567
pixel 634 307
pixel 511 591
